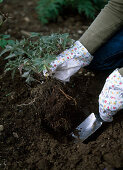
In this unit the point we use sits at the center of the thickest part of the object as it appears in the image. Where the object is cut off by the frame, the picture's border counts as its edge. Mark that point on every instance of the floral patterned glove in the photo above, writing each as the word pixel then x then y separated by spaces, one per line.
pixel 111 97
pixel 69 62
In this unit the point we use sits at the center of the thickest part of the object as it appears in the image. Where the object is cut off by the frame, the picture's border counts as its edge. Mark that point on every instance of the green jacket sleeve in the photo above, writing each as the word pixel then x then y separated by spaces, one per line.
pixel 121 71
pixel 109 20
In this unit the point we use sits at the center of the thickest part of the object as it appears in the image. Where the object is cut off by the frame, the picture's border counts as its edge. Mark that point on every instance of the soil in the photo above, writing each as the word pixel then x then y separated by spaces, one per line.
pixel 38 119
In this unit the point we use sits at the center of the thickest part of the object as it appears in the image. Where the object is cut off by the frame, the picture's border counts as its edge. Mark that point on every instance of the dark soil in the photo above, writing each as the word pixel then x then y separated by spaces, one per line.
pixel 38 119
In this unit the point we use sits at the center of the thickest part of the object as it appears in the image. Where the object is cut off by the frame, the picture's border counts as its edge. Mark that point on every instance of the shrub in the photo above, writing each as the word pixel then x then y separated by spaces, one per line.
pixel 50 9
pixel 33 55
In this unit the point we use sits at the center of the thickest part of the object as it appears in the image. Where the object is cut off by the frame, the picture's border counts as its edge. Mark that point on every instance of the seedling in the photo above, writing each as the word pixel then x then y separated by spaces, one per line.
pixel 32 55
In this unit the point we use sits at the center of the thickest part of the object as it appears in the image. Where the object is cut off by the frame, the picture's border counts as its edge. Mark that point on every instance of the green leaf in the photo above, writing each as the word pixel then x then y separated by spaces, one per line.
pixel 7 69
pixel 10 56
pixel 1 1
pixel 29 79
pixel 10 42
pixel 4 36
pixel 25 74
pixel 4 51
pixel 34 34
pixel 3 43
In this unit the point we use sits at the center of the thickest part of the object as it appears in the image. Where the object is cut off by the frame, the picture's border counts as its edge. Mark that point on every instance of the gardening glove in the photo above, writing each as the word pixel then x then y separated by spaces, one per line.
pixel 69 62
pixel 111 97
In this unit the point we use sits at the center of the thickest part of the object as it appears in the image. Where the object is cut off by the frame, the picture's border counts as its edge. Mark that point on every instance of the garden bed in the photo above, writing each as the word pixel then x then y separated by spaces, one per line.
pixel 38 119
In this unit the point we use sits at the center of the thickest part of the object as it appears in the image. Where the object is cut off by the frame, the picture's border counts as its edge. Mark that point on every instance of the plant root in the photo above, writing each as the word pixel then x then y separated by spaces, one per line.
pixel 26 104
pixel 68 97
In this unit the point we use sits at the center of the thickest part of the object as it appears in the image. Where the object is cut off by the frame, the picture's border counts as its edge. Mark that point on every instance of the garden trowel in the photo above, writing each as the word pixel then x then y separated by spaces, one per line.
pixel 87 127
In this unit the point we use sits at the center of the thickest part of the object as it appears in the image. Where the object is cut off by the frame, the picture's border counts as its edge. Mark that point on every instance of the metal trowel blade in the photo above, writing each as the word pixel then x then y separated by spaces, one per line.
pixel 87 127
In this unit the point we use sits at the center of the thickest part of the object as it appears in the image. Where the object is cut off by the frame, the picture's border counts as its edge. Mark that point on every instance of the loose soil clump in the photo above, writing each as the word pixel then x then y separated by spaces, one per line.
pixel 57 104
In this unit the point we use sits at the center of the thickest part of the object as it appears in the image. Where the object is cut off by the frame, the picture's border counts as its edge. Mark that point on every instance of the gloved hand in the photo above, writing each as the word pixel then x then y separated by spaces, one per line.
pixel 69 62
pixel 111 97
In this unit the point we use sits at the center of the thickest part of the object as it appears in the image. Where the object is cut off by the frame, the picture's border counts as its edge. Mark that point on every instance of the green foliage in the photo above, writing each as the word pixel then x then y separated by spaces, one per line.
pixel 31 56
pixel 1 1
pixel 4 41
pixel 50 9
